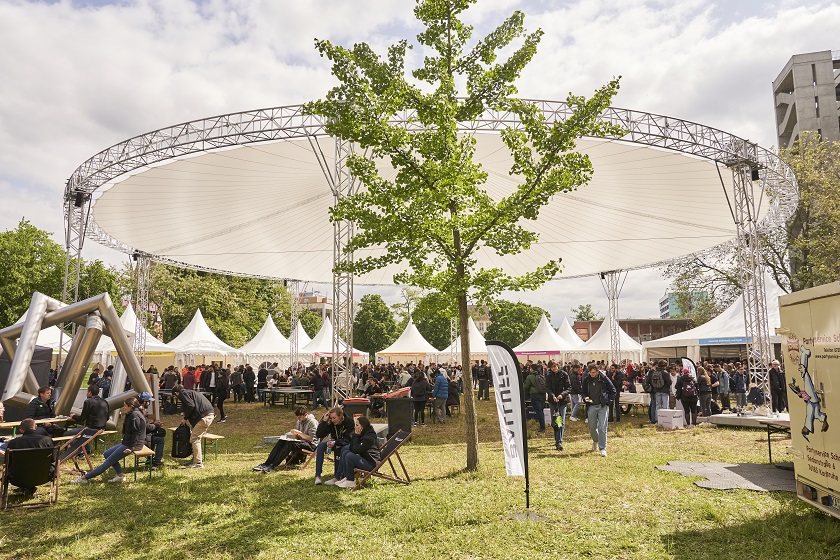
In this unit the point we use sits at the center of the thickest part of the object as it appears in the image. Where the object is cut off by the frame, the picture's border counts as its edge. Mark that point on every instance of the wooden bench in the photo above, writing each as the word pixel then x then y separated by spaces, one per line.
pixel 146 454
pixel 207 437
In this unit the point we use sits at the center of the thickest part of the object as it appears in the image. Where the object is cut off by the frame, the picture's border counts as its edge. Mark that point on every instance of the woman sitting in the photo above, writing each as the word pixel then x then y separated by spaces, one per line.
pixel 134 436
pixel 361 453
pixel 301 437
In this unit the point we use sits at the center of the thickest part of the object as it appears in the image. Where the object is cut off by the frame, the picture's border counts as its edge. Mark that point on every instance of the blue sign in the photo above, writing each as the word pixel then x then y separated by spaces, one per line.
pixel 723 340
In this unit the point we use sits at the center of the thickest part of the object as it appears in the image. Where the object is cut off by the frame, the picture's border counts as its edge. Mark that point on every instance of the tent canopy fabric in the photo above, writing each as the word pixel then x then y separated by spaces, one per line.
pixel 544 341
pixel 410 343
pixel 303 338
pixel 197 339
pixel 728 327
pixel 599 345
pixel 128 320
pixel 269 341
pixel 477 345
pixel 567 333
pixel 321 345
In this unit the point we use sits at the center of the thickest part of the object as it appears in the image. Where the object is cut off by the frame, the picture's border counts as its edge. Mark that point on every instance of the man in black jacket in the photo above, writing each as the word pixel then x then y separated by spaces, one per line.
pixel 41 407
pixel 196 409
pixel 559 387
pixel 94 417
pixel 28 439
pixel 334 431
pixel 778 388
pixel 598 393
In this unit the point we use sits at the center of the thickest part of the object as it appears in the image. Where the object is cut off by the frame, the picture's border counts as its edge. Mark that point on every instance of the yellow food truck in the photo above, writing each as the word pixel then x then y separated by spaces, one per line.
pixel 810 329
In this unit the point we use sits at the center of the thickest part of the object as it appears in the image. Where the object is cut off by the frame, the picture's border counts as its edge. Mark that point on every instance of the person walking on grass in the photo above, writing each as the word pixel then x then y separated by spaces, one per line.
pixel 598 394
pixel 134 438
pixel 559 388
pixel 198 411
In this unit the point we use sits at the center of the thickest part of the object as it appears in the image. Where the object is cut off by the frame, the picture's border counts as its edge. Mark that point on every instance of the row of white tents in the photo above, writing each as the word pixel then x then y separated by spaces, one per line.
pixel 198 344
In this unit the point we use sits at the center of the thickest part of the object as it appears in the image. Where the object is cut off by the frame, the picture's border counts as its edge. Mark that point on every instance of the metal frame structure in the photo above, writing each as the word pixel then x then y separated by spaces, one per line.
pixel 613 282
pixel 291 122
pixel 142 268
pixel 293 286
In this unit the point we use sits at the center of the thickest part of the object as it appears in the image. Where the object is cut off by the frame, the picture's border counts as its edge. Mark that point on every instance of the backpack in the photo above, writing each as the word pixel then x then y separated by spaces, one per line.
pixel 689 388
pixel 539 382
pixel 181 448
pixel 657 379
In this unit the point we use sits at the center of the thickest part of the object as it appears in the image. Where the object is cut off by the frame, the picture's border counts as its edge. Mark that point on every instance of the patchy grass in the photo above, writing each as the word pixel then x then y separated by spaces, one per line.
pixel 619 507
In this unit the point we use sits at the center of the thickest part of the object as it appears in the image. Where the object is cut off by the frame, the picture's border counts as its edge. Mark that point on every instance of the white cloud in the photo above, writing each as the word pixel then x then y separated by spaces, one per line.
pixel 78 77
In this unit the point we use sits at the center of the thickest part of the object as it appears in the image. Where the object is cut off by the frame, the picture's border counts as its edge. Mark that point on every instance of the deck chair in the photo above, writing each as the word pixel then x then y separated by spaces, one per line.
pixel 390 449
pixel 76 446
pixel 30 468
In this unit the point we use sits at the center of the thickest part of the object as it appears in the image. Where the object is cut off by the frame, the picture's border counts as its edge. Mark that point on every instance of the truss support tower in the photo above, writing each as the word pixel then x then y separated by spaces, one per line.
pixel 293 286
pixel 343 185
pixel 77 203
pixel 613 282
pixel 745 181
pixel 142 270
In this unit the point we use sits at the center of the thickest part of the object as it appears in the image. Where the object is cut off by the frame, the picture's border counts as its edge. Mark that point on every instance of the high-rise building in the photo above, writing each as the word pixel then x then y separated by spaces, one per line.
pixel 806 95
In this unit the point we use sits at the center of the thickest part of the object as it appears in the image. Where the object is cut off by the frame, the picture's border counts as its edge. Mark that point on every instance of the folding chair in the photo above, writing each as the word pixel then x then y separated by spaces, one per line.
pixel 391 447
pixel 76 445
pixel 30 468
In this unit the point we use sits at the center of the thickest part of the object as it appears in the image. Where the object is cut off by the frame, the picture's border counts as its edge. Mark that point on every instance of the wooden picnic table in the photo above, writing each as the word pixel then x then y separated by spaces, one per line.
pixel 14 425
pixel 290 395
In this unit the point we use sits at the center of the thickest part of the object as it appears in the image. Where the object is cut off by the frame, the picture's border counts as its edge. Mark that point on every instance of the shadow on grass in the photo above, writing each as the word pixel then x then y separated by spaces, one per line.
pixel 796 529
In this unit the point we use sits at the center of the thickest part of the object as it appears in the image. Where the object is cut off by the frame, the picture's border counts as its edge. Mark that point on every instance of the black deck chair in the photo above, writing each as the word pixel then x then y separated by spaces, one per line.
pixel 391 449
pixel 30 468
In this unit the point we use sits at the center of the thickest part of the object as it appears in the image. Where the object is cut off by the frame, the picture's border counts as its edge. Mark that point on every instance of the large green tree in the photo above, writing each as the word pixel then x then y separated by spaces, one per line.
pixel 433 316
pixel 437 176
pixel 374 327
pixel 584 312
pixel 512 323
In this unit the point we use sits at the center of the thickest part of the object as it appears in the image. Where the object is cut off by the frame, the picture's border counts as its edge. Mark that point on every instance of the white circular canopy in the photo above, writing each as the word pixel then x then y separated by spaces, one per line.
pixel 258 206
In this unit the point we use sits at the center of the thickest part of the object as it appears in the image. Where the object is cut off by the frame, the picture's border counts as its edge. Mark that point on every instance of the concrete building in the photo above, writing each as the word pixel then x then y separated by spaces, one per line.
pixel 640 330
pixel 318 303
pixel 806 95
pixel 669 307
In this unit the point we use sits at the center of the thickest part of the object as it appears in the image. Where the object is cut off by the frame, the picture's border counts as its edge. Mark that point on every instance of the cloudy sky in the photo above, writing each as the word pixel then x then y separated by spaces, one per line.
pixel 79 76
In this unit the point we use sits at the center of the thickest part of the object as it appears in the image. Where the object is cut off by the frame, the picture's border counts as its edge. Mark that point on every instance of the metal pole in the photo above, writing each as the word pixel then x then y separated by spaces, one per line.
pixel 293 286
pixel 142 268
pixel 613 282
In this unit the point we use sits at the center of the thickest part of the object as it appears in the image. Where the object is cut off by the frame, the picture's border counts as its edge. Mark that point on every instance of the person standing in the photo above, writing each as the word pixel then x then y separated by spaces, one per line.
pixel 134 438
pixel 236 384
pixel 687 393
pixel 704 390
pixel 189 378
pixel 482 372
pixel 660 382
pixel 249 379
pixel 222 391
pixel 198 411
pixel 559 388
pixel 672 390
pixel 724 387
pixel 535 388
pixel 576 379
pixel 778 389
pixel 318 393
pixel 598 393
pixel 739 383
pixel 419 393
pixel 440 392
pixel 617 378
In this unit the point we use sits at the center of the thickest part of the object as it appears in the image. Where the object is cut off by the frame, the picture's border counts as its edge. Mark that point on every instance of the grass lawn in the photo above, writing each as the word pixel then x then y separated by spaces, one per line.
pixel 592 507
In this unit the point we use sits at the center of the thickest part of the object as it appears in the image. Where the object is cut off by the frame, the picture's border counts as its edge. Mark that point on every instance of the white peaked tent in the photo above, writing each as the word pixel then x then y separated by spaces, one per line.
pixel 598 346
pixel 544 341
pixel 409 346
pixel 198 342
pixel 51 337
pixel 303 338
pixel 128 320
pixel 567 333
pixel 268 345
pixel 321 345
pixel 726 329
pixel 478 350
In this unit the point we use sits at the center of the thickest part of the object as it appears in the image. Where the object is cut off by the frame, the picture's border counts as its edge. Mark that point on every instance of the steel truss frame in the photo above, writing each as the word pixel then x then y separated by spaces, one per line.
pixel 293 287
pixel 613 282
pixel 142 270
pixel 291 122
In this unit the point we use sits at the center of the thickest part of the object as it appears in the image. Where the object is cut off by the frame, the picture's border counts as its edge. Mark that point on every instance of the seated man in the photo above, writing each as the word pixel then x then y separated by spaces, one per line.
pixel 43 406
pixel 377 404
pixel 29 438
pixel 334 431
pixel 304 438
pixel 94 416
pixel 454 397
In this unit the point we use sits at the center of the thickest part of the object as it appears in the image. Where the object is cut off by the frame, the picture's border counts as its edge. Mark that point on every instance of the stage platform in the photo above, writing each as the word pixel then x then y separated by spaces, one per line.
pixel 750 421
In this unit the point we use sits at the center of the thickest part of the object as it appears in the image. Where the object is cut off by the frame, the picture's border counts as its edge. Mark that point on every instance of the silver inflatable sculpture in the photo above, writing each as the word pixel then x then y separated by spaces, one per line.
pixel 94 316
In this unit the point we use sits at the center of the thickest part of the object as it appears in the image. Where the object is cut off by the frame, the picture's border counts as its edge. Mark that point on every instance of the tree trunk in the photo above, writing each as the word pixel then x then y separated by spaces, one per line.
pixel 469 401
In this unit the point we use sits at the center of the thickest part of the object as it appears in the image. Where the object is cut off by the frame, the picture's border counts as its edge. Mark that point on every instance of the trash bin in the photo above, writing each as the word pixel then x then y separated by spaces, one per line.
pixel 400 414
pixel 356 407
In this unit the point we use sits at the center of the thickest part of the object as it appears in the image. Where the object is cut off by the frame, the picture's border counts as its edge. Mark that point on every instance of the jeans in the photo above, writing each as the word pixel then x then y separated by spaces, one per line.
pixel 484 389
pixel 661 402
pixel 319 395
pixel 351 461
pixel 537 406
pixel 440 409
pixel 575 404
pixel 596 417
pixel 705 404
pixel 320 451
pixel 82 440
pixel 615 409
pixel 741 400
pixel 558 410
pixel 419 412
pixel 113 456
pixel 220 402
pixel 652 409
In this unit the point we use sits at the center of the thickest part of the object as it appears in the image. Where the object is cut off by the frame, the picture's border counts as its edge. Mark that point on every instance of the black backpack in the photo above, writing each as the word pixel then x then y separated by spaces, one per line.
pixel 539 381
pixel 657 379
pixel 689 388
pixel 181 447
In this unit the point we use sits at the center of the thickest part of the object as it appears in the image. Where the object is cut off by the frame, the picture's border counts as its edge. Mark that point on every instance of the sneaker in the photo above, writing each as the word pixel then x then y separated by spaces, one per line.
pixel 317 480
pixel 346 483
pixel 222 420
pixel 331 482
pixel 603 453
pixel 559 447
pixel 573 419
pixel 118 478
pixel 267 469
pixel 258 468
pixel 423 424
pixel 80 480
pixel 195 466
